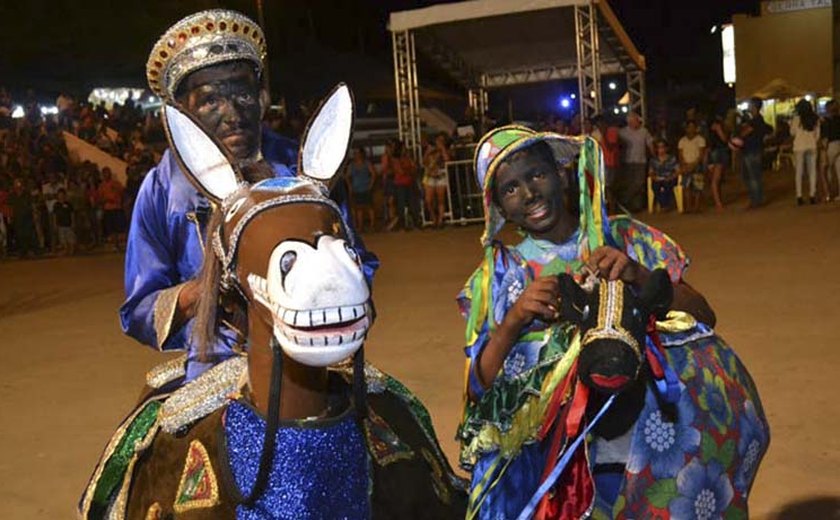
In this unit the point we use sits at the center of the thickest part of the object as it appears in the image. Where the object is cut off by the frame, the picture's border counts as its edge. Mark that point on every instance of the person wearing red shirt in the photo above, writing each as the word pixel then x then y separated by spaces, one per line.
pixel 110 194
pixel 405 176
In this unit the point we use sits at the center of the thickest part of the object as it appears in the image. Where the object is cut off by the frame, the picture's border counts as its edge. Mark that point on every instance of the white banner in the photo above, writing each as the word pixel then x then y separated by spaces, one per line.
pixel 786 6
pixel 80 151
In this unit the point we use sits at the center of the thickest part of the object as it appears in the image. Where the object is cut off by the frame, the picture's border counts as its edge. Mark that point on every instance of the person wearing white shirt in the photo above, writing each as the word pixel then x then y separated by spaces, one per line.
pixel 805 130
pixel 692 152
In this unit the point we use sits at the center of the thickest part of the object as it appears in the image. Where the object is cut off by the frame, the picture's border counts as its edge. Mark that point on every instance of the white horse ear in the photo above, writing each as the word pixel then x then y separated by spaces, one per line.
pixel 327 137
pixel 201 157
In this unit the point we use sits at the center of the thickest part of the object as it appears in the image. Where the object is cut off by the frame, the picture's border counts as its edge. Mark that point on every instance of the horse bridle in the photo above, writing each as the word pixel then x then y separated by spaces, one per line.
pixel 230 281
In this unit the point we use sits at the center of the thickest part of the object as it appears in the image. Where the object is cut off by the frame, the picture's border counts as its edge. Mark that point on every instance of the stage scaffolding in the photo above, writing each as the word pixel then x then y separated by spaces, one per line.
pixel 487 44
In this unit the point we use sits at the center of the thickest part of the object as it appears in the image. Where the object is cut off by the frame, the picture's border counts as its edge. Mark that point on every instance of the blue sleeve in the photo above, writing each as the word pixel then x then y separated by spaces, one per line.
pixel 149 266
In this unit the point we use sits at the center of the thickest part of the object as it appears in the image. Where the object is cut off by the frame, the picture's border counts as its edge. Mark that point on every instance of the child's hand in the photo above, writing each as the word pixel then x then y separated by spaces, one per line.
pixel 540 300
pixel 611 264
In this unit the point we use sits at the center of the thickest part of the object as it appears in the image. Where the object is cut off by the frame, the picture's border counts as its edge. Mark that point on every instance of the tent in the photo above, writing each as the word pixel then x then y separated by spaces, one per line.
pixel 779 89
pixel 486 44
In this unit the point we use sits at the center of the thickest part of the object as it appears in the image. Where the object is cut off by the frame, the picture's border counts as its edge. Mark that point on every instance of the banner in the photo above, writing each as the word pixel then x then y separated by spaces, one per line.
pixel 80 151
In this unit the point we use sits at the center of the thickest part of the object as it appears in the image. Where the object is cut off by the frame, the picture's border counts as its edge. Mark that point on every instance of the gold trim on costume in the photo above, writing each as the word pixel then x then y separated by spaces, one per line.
pixel 611 296
pixel 164 312
pixel 166 372
pixel 197 473
pixel 154 512
pixel 118 506
pixel 115 439
pixel 438 482
pixel 204 394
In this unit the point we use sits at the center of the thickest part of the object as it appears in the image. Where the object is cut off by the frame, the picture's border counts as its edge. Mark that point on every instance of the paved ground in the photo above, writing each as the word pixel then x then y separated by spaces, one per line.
pixel 67 375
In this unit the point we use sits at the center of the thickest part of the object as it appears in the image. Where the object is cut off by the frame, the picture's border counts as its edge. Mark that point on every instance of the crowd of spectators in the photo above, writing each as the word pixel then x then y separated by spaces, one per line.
pixel 48 205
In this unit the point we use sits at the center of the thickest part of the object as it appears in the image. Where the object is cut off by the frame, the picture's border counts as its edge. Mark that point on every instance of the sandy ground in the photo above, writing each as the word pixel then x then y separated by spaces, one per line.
pixel 68 375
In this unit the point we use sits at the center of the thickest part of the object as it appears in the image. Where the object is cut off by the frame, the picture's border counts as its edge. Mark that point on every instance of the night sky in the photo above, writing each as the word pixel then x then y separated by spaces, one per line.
pixel 58 44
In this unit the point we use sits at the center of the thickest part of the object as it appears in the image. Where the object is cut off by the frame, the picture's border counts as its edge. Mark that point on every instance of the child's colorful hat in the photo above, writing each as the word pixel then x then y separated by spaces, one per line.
pixel 500 143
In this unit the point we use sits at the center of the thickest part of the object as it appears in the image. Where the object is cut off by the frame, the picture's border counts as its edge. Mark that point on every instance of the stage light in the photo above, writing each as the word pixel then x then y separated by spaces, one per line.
pixel 612 85
pixel 18 112
pixel 573 96
pixel 713 30
pixel 616 110
pixel 565 103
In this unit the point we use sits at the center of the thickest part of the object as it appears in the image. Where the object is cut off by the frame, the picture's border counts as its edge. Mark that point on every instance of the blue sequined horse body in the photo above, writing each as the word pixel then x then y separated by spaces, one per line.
pixel 291 430
pixel 686 432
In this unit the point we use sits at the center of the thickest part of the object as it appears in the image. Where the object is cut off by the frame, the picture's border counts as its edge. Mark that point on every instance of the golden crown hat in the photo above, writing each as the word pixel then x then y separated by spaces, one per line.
pixel 199 40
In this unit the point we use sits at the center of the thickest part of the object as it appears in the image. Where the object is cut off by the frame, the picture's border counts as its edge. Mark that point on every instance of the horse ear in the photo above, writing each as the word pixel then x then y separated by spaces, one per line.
pixel 204 161
pixel 658 293
pixel 573 299
pixel 327 137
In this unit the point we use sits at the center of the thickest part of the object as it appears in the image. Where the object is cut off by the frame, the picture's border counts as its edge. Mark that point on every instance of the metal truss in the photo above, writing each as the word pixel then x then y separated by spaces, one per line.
pixel 408 97
pixel 588 57
pixel 636 88
pixel 508 78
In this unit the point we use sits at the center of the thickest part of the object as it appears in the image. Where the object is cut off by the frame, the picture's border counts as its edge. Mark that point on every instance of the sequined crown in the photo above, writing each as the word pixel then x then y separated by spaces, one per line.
pixel 202 39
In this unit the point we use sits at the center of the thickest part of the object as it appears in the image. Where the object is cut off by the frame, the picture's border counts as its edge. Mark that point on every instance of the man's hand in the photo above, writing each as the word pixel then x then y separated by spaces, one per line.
pixel 539 301
pixel 611 264
pixel 188 299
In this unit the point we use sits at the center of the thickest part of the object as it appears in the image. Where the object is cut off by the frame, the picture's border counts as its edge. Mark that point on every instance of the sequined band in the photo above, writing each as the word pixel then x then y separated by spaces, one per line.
pixel 205 394
pixel 165 306
pixel 610 310
pixel 227 256
pixel 166 372
pixel 116 462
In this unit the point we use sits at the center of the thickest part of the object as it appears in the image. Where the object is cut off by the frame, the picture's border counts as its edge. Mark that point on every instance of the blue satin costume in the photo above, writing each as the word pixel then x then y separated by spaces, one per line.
pixel 166 248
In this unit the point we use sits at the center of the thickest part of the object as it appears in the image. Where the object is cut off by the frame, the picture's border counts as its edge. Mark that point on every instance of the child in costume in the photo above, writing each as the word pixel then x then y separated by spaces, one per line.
pixel 520 354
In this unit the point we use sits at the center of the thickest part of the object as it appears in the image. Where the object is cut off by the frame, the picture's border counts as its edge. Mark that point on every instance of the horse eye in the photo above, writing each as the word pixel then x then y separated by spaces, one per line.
pixel 287 261
pixel 352 252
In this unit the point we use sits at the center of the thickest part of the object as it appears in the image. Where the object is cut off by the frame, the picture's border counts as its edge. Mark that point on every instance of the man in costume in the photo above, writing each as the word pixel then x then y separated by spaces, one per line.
pixel 519 351
pixel 210 64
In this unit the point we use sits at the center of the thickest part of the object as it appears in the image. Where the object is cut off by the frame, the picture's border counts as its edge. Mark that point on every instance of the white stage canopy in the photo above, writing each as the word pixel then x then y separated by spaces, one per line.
pixel 485 44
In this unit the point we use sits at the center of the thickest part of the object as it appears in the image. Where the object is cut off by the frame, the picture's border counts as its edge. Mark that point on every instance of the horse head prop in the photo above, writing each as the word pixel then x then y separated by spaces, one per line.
pixel 281 243
pixel 281 248
pixel 613 322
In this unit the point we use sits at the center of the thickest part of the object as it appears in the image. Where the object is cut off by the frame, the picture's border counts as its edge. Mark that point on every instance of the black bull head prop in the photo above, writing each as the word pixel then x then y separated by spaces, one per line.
pixel 613 322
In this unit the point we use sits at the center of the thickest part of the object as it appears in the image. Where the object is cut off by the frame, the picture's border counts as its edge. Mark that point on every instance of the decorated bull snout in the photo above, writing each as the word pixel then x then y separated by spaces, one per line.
pixel 613 323
pixel 318 299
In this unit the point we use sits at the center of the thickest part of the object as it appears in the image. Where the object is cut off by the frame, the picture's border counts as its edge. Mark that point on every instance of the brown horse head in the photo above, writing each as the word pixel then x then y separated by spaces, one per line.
pixel 282 243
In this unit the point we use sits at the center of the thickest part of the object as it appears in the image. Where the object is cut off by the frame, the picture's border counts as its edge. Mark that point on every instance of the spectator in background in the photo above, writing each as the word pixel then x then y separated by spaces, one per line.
pixel 361 176
pixel 692 151
pixel 405 177
pixel 63 214
pixel 719 159
pixel 754 130
pixel 435 178
pixel 110 194
pixel 388 189
pixel 611 144
pixel 806 134
pixel 64 103
pixel 595 131
pixel 630 183
pixel 49 191
pixel 23 219
pixel 663 171
pixel 830 134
